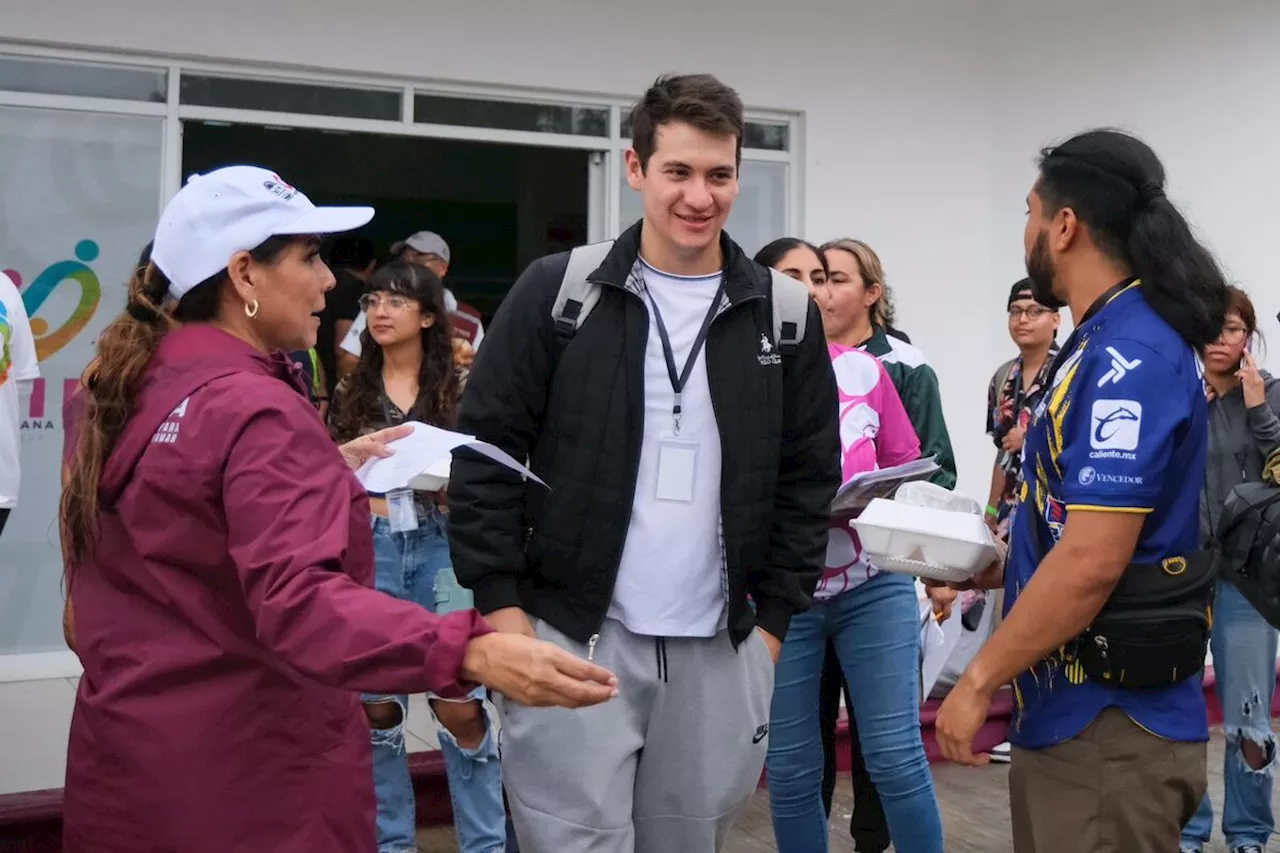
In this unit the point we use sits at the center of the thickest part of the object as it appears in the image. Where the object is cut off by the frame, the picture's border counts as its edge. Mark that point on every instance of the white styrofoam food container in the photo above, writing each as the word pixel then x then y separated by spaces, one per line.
pixel 924 541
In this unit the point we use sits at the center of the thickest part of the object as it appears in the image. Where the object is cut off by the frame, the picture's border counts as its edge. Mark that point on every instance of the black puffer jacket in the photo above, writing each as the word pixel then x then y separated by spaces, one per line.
pixel 576 411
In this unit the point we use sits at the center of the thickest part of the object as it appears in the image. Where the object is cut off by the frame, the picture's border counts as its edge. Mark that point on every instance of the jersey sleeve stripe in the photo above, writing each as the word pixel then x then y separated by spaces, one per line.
pixel 1137 510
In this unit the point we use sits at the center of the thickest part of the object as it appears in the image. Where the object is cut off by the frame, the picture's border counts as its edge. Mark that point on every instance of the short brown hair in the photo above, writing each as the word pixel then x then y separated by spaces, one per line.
pixel 699 100
pixel 1240 304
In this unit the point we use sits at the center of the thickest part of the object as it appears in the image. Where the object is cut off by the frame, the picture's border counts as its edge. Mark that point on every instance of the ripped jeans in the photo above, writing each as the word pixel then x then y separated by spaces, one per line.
pixel 406 565
pixel 1244 663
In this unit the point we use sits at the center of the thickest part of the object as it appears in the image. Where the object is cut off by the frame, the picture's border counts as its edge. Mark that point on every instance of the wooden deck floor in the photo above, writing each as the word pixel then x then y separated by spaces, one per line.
pixel 974 802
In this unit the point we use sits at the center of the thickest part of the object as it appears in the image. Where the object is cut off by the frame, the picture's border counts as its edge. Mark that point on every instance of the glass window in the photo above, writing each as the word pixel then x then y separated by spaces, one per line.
pixel 759 214
pixel 83 190
pixel 770 136
pixel 207 90
pixel 511 115
pixel 87 80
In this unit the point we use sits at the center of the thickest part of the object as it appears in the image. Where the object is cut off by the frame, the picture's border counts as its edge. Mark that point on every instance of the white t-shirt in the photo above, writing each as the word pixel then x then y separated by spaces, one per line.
pixel 18 365
pixel 671 581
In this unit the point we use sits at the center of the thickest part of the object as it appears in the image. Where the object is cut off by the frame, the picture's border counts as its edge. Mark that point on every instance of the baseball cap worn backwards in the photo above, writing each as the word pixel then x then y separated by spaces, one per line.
pixel 235 209
pixel 1023 290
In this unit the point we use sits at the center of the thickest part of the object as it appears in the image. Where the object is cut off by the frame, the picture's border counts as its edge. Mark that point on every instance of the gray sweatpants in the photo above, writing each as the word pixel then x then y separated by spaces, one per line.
pixel 664 768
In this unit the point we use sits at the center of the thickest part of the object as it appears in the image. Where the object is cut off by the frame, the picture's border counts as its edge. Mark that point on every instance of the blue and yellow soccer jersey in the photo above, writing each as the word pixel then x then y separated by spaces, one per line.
pixel 1123 428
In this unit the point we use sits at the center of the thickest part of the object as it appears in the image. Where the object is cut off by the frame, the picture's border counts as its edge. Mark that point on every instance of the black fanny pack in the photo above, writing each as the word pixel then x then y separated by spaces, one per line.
pixel 1154 629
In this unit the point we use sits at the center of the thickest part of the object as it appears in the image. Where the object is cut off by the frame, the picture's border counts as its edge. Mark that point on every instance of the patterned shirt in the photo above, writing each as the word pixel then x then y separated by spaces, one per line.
pixel 1122 428
pixel 875 432
pixel 1009 406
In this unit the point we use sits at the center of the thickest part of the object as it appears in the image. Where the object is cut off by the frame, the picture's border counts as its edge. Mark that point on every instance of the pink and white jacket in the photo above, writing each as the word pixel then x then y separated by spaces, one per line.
pixel 875 432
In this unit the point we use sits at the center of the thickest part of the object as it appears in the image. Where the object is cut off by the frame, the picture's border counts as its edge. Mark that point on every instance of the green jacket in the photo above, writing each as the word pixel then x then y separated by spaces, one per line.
pixel 917 385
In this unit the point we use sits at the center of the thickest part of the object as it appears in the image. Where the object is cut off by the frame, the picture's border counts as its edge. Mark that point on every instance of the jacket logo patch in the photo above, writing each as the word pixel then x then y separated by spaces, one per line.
pixel 168 431
pixel 767 356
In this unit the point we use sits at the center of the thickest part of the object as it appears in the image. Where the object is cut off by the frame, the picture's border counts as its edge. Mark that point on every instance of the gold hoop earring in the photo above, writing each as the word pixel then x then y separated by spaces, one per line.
pixel 251 311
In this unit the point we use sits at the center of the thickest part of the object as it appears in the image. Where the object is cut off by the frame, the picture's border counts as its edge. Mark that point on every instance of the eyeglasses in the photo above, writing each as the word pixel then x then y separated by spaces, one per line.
pixel 371 301
pixel 1233 334
pixel 1033 312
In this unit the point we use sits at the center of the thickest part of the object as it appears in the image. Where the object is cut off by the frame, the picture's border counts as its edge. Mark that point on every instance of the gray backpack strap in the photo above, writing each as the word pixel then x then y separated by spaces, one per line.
pixel 790 311
pixel 1001 378
pixel 577 295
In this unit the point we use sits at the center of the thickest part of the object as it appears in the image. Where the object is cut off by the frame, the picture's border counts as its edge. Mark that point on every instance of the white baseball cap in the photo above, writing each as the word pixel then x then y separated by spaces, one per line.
pixel 235 209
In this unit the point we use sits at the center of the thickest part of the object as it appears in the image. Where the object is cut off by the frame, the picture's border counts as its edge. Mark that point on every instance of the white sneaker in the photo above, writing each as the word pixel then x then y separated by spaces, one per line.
pixel 1001 753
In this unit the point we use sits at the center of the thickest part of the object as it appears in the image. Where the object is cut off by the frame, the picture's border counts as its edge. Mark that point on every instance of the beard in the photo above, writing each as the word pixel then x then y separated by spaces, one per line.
pixel 1041 272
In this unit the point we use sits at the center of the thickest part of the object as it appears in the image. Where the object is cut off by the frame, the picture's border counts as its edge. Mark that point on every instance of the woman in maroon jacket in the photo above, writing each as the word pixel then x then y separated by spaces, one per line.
pixel 220 561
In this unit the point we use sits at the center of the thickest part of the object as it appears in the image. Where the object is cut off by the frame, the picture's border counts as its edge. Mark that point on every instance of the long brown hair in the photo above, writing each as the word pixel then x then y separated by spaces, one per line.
pixel 111 384
pixel 882 312
pixel 439 386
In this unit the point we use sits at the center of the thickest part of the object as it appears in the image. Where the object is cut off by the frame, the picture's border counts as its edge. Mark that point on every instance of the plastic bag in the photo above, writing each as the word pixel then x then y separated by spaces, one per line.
pixel 921 493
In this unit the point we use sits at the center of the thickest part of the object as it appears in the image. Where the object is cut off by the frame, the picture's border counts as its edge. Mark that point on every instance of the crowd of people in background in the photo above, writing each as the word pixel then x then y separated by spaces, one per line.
pixel 613 661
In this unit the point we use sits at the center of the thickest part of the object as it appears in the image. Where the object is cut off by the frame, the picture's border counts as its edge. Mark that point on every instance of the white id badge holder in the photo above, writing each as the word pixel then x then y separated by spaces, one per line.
pixel 677 464
pixel 401 511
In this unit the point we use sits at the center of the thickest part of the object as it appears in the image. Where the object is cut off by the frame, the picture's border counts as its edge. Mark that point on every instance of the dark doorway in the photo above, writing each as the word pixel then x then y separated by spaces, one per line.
pixel 498 206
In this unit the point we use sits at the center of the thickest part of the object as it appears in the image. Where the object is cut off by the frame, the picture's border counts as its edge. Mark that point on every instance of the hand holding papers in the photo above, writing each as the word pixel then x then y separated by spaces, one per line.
pixel 421 460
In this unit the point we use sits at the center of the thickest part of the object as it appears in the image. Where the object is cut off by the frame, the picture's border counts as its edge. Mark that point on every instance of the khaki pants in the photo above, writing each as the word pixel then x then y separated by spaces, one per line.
pixel 1115 788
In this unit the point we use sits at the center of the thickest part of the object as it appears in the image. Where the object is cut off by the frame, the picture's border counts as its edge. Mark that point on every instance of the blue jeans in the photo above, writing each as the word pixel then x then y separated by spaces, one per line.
pixel 1244 663
pixel 876 632
pixel 406 565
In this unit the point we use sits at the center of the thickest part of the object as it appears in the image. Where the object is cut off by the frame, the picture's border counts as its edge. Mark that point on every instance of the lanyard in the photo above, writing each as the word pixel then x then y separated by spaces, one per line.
pixel 678 380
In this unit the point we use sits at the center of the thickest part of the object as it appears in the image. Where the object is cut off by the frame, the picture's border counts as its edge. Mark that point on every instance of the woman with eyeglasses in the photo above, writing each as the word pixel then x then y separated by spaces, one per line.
pixel 1244 429
pixel 409 371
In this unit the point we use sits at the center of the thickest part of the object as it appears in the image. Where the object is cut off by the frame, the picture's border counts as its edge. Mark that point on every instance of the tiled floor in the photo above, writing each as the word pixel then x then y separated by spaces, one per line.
pixel 974 805
pixel 35 717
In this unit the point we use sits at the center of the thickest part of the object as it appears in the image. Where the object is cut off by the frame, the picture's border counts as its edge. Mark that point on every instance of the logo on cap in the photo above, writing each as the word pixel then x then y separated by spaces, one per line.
pixel 278 186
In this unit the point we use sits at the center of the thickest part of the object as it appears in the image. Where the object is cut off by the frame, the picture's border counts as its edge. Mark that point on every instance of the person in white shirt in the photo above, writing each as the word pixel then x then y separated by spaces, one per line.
pixel 18 371
pixel 692 451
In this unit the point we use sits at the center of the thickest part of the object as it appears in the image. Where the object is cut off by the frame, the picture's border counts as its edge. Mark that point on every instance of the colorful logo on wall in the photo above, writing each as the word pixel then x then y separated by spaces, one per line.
pixel 6 335
pixel 49 341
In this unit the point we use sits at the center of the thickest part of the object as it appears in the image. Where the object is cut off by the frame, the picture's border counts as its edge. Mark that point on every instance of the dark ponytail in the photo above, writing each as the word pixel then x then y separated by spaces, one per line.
pixel 773 253
pixel 1115 184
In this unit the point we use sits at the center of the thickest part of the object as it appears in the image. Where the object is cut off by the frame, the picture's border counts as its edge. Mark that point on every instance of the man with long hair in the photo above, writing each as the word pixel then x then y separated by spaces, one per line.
pixel 1106 623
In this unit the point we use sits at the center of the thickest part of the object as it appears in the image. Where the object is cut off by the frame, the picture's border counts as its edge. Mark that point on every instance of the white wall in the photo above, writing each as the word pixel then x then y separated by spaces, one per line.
pixel 1199 82
pixel 921 117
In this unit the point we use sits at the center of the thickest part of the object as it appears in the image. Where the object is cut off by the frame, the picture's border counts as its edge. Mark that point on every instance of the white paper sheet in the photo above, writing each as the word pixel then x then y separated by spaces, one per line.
pixel 426 446
pixel 855 494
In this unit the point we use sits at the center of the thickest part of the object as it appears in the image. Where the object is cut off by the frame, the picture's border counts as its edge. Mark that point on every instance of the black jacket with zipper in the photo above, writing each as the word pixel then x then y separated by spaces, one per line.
pixel 575 408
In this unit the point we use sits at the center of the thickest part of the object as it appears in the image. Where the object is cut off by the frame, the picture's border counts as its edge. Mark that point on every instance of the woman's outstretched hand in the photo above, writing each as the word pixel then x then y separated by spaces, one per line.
pixel 536 673
pixel 358 451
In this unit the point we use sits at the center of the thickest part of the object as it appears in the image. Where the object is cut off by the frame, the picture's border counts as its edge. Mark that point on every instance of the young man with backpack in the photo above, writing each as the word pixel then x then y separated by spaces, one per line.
pixel 1014 393
pixel 678 400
